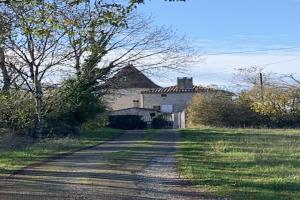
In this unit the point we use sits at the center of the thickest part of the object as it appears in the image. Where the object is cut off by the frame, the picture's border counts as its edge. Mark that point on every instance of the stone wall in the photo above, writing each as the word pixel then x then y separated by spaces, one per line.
pixel 123 98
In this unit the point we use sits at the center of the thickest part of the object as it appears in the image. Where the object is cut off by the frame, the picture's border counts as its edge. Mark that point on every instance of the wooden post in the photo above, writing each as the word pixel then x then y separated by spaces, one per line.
pixel 261 86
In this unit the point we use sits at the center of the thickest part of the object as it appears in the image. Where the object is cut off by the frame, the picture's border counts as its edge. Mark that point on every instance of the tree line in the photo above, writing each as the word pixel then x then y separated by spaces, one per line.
pixel 265 100
pixel 55 56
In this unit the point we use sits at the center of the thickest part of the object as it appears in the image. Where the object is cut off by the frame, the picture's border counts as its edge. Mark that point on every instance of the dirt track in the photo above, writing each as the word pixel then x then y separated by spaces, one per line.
pixel 125 168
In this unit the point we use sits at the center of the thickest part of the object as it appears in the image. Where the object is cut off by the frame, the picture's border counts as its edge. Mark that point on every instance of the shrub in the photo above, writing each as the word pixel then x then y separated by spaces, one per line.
pixel 78 103
pixel 99 122
pixel 57 127
pixel 279 107
pixel 209 110
pixel 159 122
pixel 17 111
pixel 222 111
pixel 126 122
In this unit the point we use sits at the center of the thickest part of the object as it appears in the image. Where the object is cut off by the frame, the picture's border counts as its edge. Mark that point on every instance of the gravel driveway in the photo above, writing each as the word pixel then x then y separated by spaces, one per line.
pixel 126 168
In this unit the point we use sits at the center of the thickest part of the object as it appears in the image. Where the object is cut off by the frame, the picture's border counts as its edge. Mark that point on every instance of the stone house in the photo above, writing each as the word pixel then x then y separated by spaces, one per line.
pixel 172 99
pixel 126 87
pixel 134 93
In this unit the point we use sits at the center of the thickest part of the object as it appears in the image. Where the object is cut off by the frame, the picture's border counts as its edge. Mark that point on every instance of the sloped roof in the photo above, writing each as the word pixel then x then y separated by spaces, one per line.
pixel 175 89
pixel 130 77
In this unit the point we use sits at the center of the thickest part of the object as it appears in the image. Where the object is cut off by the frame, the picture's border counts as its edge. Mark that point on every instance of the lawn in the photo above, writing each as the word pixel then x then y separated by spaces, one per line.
pixel 16 158
pixel 242 163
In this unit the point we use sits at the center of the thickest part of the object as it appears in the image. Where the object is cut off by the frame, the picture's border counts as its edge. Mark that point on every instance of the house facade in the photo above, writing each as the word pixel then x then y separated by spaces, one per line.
pixel 136 94
pixel 174 98
pixel 126 88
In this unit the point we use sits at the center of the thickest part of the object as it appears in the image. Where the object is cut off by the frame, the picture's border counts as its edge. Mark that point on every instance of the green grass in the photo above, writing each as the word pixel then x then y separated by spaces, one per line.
pixel 13 159
pixel 243 163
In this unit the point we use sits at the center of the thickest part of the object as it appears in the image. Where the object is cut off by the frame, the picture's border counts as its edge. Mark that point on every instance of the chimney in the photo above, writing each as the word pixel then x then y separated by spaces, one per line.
pixel 185 83
pixel 136 103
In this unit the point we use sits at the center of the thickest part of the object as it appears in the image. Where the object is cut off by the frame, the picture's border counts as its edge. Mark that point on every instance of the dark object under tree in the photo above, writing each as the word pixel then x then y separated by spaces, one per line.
pixel 126 122
pixel 160 122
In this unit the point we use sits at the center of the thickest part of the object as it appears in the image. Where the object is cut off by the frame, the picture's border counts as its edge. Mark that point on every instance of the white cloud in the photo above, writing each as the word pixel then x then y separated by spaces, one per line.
pixel 219 69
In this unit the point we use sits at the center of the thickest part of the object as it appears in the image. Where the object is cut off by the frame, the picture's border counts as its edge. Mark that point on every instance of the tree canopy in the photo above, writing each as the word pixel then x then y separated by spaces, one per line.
pixel 85 41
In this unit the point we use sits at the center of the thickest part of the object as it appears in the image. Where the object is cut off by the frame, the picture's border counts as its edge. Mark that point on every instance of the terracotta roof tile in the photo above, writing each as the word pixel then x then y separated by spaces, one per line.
pixel 174 89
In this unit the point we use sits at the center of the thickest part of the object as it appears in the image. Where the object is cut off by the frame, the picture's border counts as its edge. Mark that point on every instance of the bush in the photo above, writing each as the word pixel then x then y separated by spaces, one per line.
pixel 57 127
pixel 279 107
pixel 159 122
pixel 17 111
pixel 221 111
pixel 100 122
pixel 127 122
pixel 209 110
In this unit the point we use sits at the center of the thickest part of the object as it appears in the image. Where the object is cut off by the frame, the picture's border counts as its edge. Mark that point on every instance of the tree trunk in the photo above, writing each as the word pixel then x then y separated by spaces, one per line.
pixel 40 109
pixel 6 78
pixel 77 65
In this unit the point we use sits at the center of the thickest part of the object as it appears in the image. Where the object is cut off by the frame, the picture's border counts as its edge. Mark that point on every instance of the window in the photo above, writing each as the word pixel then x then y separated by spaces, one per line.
pixel 166 108
pixel 136 103
pixel 163 95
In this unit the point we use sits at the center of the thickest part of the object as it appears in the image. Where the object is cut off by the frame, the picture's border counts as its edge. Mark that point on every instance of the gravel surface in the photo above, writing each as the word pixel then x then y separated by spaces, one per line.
pixel 125 168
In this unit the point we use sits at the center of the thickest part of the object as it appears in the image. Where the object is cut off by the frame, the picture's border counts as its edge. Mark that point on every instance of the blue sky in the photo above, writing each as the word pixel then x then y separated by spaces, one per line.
pixel 218 26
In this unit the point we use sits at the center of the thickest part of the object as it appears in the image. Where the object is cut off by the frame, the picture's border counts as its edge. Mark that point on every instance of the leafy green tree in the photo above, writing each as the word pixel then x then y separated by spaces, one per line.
pixel 49 36
pixel 36 42
pixel 39 41
pixel 78 103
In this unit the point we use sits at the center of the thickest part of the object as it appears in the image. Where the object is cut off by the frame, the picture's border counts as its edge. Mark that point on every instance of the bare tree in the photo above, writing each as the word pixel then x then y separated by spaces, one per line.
pixel 147 47
pixel 96 38
pixel 290 80
pixel 40 41
pixel 4 31
pixel 136 42
pixel 36 45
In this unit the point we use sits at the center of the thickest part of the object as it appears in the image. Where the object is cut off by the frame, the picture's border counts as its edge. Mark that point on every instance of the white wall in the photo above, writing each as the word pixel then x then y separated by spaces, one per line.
pixel 178 100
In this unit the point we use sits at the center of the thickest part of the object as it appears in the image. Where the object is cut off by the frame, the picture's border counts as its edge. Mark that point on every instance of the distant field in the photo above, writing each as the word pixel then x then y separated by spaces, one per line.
pixel 243 163
pixel 12 158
